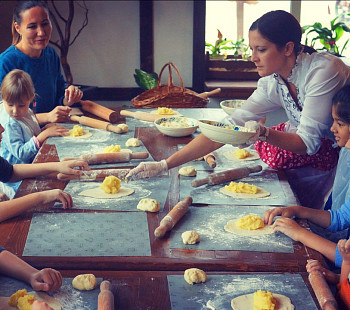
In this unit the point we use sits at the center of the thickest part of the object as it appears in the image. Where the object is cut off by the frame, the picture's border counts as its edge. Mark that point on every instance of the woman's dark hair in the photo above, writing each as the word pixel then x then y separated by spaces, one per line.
pixel 281 27
pixel 341 103
pixel 17 15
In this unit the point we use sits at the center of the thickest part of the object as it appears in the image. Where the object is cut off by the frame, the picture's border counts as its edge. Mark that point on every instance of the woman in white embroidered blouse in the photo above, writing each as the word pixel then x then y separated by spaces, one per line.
pixel 303 83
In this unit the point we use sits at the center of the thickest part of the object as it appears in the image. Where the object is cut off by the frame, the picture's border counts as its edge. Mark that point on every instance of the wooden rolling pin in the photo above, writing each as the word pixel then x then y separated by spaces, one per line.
pixel 207 94
pixel 105 297
pixel 91 122
pixel 210 160
pixel 228 175
pixel 175 214
pixel 94 175
pixel 105 158
pixel 322 291
pixel 99 110
pixel 143 116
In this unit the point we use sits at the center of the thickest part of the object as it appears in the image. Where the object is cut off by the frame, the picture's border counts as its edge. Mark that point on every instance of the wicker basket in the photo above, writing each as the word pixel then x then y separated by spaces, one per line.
pixel 169 95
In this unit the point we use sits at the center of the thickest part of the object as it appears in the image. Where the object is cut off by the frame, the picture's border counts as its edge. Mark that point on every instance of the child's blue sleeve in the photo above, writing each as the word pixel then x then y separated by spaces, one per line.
pixel 16 144
pixel 338 258
pixel 340 219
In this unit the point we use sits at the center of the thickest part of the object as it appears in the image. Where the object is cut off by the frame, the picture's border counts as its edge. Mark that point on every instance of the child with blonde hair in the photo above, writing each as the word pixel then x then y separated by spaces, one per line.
pixel 23 137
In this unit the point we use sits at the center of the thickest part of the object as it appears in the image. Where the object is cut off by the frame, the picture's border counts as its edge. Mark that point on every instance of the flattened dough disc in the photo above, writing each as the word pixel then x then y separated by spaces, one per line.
pixel 245 302
pixel 232 228
pixel 260 194
pixel 99 193
pixel 52 302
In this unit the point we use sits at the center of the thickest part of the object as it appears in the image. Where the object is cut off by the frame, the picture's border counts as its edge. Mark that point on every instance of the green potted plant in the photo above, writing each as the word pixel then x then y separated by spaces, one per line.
pixel 215 49
pixel 328 37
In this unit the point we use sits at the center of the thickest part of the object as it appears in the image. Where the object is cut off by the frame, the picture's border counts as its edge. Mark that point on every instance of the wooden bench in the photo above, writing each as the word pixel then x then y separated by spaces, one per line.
pixel 237 78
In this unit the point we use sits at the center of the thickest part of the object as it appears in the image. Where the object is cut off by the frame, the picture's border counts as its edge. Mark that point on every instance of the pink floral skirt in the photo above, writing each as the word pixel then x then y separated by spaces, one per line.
pixel 325 159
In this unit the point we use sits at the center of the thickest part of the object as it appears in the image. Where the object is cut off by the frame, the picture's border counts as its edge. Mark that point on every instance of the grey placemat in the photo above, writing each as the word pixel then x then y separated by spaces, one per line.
pixel 69 147
pixel 266 179
pixel 221 289
pixel 209 222
pixel 156 189
pixel 88 234
pixel 70 298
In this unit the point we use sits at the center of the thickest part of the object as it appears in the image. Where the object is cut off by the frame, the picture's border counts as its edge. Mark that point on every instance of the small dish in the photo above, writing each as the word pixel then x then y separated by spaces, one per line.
pixel 176 126
pixel 223 133
pixel 230 105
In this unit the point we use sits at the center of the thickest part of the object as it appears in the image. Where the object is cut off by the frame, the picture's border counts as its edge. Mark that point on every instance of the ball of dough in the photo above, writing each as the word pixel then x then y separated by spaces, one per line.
pixel 188 171
pixel 76 131
pixel 148 204
pixel 112 149
pixel 123 127
pixel 190 237
pixel 133 142
pixel 111 184
pixel 195 275
pixel 84 282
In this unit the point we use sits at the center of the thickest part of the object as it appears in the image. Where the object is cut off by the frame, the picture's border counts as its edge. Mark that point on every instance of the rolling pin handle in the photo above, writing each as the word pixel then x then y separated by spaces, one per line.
pixel 200 182
pixel 160 231
pixel 256 168
pixel 115 129
pixel 75 118
pixel 105 297
pixel 140 155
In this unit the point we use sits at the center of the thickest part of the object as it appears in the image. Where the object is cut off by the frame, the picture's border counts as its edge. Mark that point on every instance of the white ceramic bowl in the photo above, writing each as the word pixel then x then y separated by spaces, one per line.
pixel 176 126
pixel 230 105
pixel 223 133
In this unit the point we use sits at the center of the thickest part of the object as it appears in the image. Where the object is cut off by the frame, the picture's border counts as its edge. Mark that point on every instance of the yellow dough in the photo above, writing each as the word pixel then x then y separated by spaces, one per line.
pixel 263 300
pixel 190 237
pixel 78 132
pixel 84 282
pixel 25 302
pixel 195 275
pixel 123 127
pixel 241 153
pixel 133 142
pixel 165 111
pixel 112 149
pixel 245 302
pixel 244 190
pixel 232 227
pixel 250 222
pixel 14 297
pixel 148 204
pixel 188 171
pixel 111 184
pixel 241 156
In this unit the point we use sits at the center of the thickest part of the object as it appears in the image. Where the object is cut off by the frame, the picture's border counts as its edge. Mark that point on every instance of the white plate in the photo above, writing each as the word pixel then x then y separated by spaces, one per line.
pixel 176 126
pixel 223 133
pixel 230 105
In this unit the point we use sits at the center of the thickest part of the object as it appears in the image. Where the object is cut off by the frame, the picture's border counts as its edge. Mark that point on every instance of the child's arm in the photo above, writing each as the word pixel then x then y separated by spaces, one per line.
pixel 296 232
pixel 44 280
pixel 11 208
pixel 319 217
pixel 57 115
pixel 52 131
pixel 344 249
pixel 23 171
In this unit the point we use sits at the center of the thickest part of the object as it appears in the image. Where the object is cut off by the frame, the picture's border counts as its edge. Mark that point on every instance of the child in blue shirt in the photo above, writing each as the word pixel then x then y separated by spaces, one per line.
pixel 333 220
pixel 23 137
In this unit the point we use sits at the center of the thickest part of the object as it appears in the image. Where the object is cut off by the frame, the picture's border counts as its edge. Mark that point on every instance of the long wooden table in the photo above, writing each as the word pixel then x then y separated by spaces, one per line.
pixel 163 259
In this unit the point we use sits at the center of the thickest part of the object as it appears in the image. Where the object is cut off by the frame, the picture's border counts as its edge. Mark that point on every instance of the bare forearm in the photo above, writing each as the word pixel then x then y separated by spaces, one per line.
pixel 322 245
pixel 11 208
pixel 198 147
pixel 43 118
pixel 345 270
pixel 12 266
pixel 318 217
pixel 287 141
pixel 23 171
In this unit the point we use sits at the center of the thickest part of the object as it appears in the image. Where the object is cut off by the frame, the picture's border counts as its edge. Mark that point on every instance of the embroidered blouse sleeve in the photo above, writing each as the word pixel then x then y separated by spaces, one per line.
pixel 264 100
pixel 322 81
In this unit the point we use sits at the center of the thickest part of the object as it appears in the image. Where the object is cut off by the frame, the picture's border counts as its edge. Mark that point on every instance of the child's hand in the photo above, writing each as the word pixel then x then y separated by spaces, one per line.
pixel 54 131
pixel 344 249
pixel 3 197
pixel 67 167
pixel 315 265
pixel 288 227
pixel 72 94
pixel 40 305
pixel 57 195
pixel 269 215
pixel 46 280
pixel 59 114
